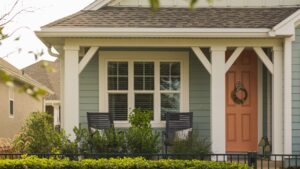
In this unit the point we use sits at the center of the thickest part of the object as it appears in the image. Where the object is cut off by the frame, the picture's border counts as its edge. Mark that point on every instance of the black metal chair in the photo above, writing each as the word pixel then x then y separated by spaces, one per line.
pixel 176 121
pixel 99 121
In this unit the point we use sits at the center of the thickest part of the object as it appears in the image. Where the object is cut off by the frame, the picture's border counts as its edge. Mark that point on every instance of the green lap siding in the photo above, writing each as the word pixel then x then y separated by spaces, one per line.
pixel 296 93
pixel 89 90
pixel 199 96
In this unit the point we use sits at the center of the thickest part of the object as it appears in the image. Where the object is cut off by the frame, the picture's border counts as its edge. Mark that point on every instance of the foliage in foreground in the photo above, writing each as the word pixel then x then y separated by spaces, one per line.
pixel 116 163
pixel 192 145
pixel 140 136
pixel 38 135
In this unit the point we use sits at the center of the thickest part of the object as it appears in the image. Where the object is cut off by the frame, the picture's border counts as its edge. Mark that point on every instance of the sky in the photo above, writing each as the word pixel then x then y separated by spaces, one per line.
pixel 40 12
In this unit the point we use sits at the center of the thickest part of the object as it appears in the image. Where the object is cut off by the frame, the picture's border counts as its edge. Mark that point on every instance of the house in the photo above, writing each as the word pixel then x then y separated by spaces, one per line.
pixel 48 74
pixel 15 106
pixel 234 64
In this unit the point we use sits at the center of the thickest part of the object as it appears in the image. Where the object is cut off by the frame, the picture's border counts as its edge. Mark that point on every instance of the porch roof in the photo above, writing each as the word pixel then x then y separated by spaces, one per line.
pixel 135 17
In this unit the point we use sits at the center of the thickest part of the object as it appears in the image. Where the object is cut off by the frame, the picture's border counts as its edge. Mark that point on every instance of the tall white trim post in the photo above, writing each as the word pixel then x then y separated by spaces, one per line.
pixel 288 96
pixel 277 104
pixel 71 90
pixel 56 114
pixel 218 128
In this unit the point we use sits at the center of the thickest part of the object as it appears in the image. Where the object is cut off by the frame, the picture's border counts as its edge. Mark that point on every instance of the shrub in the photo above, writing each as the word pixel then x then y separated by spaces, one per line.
pixel 192 145
pixel 107 141
pixel 140 136
pixel 38 135
pixel 116 163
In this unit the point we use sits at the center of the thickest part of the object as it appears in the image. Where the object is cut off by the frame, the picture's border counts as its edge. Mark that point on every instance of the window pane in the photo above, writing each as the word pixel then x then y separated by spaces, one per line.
pixel 138 83
pixel 169 76
pixel 112 83
pixel 169 103
pixel 138 68
pixel 144 102
pixel 149 68
pixel 117 76
pixel 112 68
pixel 123 83
pixel 165 83
pixel 143 76
pixel 175 69
pixel 175 85
pixel 11 107
pixel 118 106
pixel 164 69
pixel 149 83
pixel 123 68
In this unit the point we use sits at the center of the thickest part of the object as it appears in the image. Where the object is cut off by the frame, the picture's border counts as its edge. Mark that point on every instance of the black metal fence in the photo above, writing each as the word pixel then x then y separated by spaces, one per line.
pixel 257 161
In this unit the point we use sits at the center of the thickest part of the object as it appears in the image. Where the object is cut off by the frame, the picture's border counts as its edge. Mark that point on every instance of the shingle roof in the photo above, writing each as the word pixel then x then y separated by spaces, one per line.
pixel 51 79
pixel 135 17
pixel 19 74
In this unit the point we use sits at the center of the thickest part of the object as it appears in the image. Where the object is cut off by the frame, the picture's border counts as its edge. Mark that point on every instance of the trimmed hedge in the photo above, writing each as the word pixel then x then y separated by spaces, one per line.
pixel 114 163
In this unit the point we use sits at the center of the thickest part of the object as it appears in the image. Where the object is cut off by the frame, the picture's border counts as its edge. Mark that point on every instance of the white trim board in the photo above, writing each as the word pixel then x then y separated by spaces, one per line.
pixel 287 26
pixel 153 32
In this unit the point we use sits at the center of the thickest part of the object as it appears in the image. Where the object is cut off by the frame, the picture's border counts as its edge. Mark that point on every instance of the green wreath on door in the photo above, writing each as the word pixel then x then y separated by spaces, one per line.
pixel 239 87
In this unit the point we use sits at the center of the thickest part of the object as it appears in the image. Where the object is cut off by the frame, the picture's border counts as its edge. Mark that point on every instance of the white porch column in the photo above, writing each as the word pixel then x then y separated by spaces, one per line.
pixel 288 96
pixel 218 99
pixel 56 114
pixel 71 90
pixel 277 103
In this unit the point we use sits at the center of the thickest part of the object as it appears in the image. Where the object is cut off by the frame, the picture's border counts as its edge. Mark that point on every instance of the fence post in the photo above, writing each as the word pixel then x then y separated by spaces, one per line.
pixel 252 159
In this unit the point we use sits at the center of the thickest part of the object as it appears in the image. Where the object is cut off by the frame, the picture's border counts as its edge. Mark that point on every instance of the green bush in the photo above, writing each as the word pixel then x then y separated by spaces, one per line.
pixel 140 136
pixel 192 145
pixel 115 163
pixel 108 141
pixel 38 135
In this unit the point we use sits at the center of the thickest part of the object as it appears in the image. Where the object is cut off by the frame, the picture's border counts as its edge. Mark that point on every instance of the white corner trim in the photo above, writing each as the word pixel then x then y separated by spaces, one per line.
pixel 233 57
pixel 200 55
pixel 277 103
pixel 287 96
pixel 218 107
pixel 287 26
pixel 97 5
pixel 87 57
pixel 264 58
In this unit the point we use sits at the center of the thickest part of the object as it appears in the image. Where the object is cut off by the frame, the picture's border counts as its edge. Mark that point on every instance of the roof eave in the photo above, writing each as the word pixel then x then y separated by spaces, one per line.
pixel 28 80
pixel 154 32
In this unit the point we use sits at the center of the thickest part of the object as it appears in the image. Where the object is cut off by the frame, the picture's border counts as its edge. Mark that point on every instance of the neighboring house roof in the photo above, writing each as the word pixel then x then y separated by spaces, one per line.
pixel 136 17
pixel 42 74
pixel 19 74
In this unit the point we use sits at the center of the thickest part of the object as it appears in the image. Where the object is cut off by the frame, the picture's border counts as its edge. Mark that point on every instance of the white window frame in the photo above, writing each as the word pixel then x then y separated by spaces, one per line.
pixel 11 95
pixel 143 56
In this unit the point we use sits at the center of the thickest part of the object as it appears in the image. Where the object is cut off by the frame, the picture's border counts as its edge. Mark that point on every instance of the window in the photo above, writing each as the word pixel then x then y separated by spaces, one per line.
pixel 137 80
pixel 169 87
pixel 117 87
pixel 11 101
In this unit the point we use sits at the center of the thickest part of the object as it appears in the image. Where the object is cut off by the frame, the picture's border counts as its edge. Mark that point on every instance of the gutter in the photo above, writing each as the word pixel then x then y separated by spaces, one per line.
pixel 154 32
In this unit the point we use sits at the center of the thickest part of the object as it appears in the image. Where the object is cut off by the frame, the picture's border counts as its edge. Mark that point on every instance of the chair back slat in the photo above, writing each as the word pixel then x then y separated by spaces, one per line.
pixel 99 120
pixel 176 121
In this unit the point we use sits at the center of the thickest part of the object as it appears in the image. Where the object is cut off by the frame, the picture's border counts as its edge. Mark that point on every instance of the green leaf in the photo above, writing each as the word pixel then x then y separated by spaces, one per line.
pixel 154 4
pixel 193 3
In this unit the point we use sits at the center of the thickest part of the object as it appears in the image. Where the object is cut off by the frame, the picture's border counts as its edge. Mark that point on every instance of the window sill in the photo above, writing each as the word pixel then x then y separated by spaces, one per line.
pixel 126 124
pixel 11 116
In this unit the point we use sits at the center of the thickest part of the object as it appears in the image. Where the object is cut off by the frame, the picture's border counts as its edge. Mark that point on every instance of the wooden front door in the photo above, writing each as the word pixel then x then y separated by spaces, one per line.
pixel 241 110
